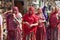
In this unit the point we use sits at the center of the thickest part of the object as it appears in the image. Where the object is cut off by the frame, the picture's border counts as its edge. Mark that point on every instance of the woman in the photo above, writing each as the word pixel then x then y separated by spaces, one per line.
pixel 58 24
pixel 13 19
pixel 53 23
pixel 30 24
pixel 41 31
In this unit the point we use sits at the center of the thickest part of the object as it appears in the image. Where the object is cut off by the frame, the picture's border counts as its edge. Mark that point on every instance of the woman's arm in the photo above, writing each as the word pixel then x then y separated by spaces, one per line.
pixel 4 14
pixel 35 24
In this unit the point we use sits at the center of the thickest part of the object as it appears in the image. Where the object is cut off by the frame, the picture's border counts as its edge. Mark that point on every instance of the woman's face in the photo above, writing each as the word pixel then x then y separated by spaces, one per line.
pixel 39 10
pixel 30 12
pixel 53 9
pixel 14 11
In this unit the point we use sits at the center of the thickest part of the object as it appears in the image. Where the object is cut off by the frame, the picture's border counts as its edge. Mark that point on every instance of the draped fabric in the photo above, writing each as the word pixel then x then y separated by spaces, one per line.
pixel 31 18
pixel 45 13
pixel 58 25
pixel 53 25
pixel 13 27
pixel 41 30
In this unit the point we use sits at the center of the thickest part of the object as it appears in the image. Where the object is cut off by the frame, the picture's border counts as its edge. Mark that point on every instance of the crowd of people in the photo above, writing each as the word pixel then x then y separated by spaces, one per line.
pixel 33 25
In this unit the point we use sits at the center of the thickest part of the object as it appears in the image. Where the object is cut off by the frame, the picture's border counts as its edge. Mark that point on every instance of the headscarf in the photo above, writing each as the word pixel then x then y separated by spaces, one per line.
pixel 16 9
pixel 32 9
pixel 17 14
pixel 54 10
pixel 39 10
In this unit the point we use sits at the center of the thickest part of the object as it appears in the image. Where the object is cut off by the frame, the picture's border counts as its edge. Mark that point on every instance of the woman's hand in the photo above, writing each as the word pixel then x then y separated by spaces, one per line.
pixel 14 16
pixel 31 25
pixel 35 24
pixel 26 23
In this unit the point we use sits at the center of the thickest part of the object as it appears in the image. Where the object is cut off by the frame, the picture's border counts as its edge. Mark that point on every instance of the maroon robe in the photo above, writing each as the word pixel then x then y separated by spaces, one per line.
pixel 13 27
pixel 41 31
pixel 53 21
pixel 53 24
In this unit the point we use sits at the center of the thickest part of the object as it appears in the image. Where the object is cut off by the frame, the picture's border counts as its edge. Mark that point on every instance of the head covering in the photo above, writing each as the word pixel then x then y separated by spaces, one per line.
pixel 16 9
pixel 55 10
pixel 39 10
pixel 31 9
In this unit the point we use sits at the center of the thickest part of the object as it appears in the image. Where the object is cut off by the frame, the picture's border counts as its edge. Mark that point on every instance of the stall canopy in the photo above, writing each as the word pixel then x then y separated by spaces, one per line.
pixel 57 3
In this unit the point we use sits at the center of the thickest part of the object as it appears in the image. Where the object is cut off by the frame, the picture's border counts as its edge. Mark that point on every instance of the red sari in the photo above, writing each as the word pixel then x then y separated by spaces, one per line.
pixel 31 19
pixel 41 31
pixel 13 27
pixel 58 25
pixel 53 24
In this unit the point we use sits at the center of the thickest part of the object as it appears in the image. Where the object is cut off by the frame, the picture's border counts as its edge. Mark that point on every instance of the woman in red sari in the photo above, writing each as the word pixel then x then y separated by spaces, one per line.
pixel 41 31
pixel 29 23
pixel 53 24
pixel 58 25
pixel 13 24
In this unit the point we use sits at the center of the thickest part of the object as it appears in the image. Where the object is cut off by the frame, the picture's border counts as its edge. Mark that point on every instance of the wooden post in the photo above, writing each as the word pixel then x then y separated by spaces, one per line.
pixel 39 3
pixel 12 3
